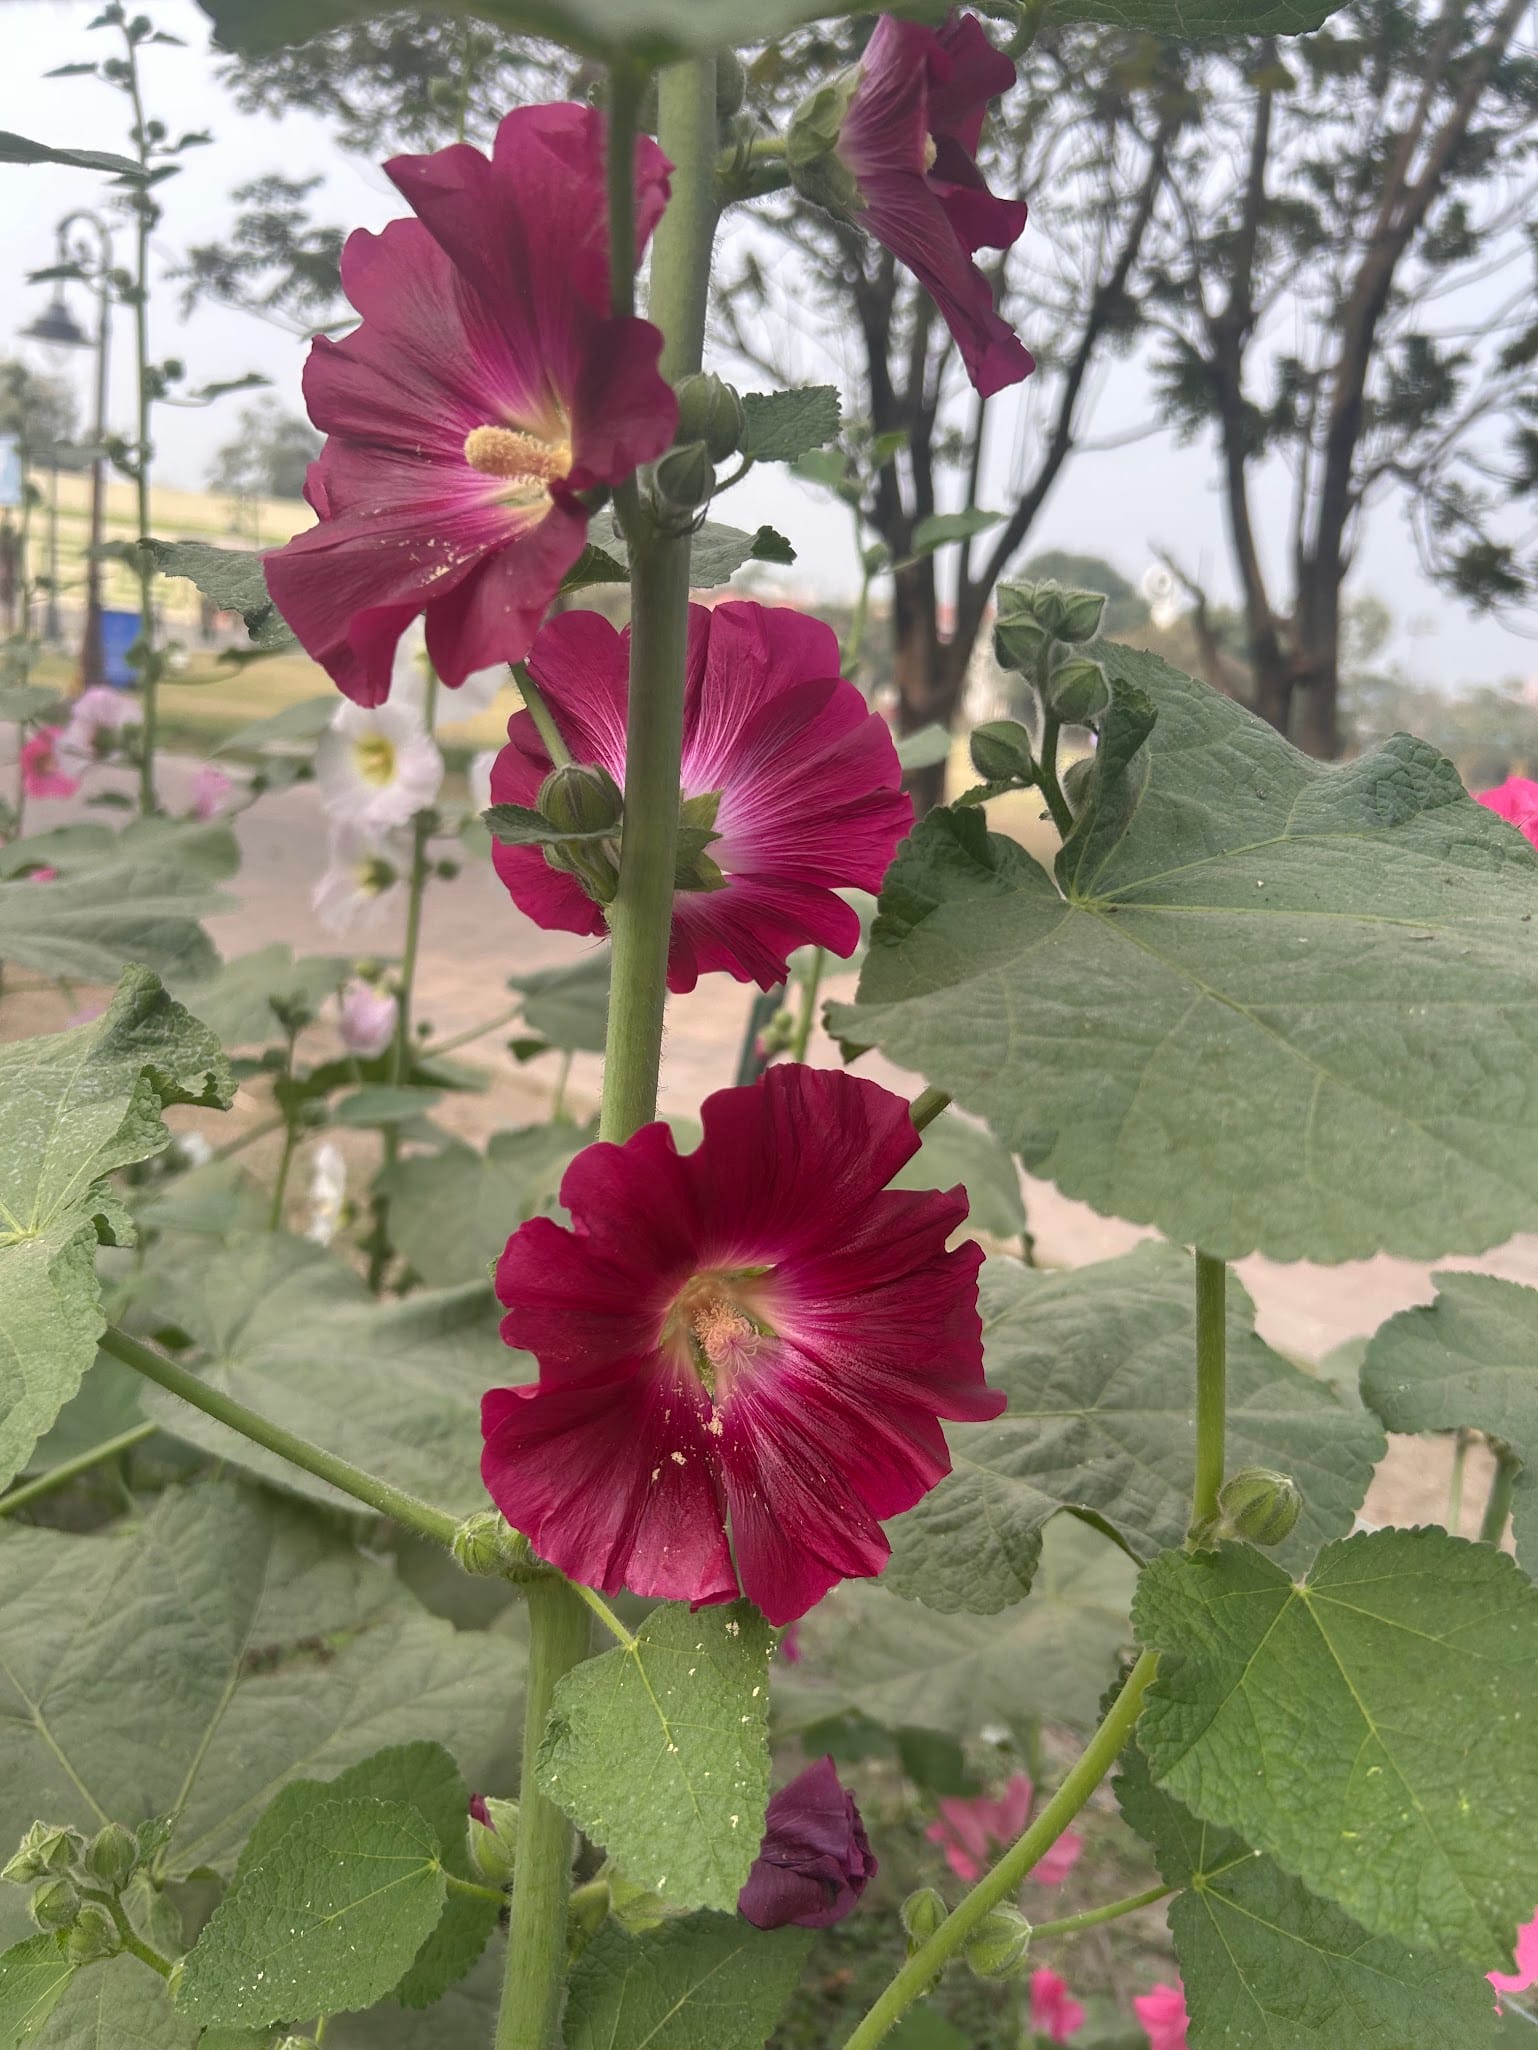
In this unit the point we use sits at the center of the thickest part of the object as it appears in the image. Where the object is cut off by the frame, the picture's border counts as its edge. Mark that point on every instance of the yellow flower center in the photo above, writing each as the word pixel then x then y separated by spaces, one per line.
pixel 374 757
pixel 720 1333
pixel 930 152
pixel 529 462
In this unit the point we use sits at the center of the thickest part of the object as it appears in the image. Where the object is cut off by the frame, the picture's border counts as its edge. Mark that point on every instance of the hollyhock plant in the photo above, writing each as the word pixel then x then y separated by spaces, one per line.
pixel 366 1017
pixel 814 1861
pixel 1055 2013
pixel 212 790
pixel 1515 801
pixel 757 1332
pixel 1162 2011
pixel 1525 1977
pixel 42 774
pixel 364 879
pixel 906 147
pixel 377 767
pixel 486 386
pixel 802 776
pixel 96 715
pixel 971 1830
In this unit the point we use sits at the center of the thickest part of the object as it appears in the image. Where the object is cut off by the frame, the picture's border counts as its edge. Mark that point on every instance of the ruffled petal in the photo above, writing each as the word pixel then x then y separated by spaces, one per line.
pixel 492 615
pixel 965 74
pixel 750 929
pixel 578 1314
pixel 582 666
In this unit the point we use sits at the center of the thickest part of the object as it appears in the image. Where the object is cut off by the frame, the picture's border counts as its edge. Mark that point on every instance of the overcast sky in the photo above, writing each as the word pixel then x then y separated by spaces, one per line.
pixel 1118 504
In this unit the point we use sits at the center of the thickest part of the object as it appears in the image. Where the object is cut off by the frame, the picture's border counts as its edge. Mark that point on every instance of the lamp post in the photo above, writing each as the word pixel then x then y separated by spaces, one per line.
pixel 57 325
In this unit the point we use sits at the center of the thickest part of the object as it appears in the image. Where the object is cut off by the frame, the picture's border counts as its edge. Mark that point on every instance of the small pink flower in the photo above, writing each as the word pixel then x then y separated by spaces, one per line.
pixel 1526 1974
pixel 808 781
pixel 484 388
pixel 1055 2013
pixel 41 874
pixel 1515 801
pixel 41 775
pixel 758 1332
pixel 1162 2011
pixel 96 713
pixel 970 1830
pixel 909 141
pixel 367 1018
pixel 211 792
pixel 815 1860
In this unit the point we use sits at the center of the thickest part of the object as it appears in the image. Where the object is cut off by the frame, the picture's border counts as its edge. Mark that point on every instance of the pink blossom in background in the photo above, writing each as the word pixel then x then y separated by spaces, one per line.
pixel 1515 801
pixel 211 792
pixel 41 774
pixel 1055 2013
pixel 41 874
pixel 1162 2011
pixel 367 1018
pixel 96 713
pixel 485 386
pixel 972 1829
pixel 1526 1974
pixel 815 1860
pixel 790 1645
pixel 757 1331
pixel 807 775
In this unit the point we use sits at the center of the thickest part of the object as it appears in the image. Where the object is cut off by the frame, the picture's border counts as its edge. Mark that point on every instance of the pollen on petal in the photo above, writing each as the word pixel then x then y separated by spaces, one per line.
pixel 510 452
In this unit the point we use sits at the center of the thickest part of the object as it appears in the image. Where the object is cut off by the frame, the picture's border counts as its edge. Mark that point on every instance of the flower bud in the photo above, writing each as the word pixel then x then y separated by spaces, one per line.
pixel 95 1935
pixel 1001 1945
pixel 55 1904
pixel 685 476
pixel 709 411
pixel 922 1913
pixel 481 1543
pixel 731 84
pixel 1078 615
pixel 111 1855
pixel 45 1848
pixel 491 1838
pixel 1075 780
pixel 581 797
pixel 1001 752
pixel 811 141
pixel 1077 691
pixel 1019 638
pixel 1259 1506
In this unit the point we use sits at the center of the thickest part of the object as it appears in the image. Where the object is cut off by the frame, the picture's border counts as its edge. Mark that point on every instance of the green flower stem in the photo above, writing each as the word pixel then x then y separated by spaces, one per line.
pixel 761 1015
pixel 472 1891
pixel 1051 788
pixel 927 1107
pixel 808 1017
pixel 69 1470
pixel 290 1138
pixel 680 280
pixel 133 1943
pixel 627 83
pixel 1498 1503
pixel 434 1524
pixel 442 1046
pixel 1211 1386
pixel 261 1131
pixel 932 1956
pixel 534 1987
pixel 605 1615
pixel 539 712
pixel 1462 1439
pixel 1112 1911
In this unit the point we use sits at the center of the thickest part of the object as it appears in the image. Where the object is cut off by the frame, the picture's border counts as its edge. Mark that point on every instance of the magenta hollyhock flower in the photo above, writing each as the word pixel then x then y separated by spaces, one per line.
pixel 757 1331
pixel 909 140
pixel 971 1830
pixel 1515 801
pixel 1162 2011
pixel 485 387
pixel 1055 2013
pixel 41 774
pixel 814 1861
pixel 1526 1974
pixel 807 776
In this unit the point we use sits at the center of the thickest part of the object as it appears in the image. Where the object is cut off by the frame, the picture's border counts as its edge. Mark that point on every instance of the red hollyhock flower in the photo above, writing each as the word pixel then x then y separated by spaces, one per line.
pixel 486 385
pixel 909 140
pixel 807 776
pixel 758 1330
pixel 815 1861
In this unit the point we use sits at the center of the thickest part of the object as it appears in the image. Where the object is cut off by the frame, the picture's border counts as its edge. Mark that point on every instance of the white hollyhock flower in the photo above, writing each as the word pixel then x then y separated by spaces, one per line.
pixel 364 880
pixel 327 1193
pixel 408 683
pixel 377 766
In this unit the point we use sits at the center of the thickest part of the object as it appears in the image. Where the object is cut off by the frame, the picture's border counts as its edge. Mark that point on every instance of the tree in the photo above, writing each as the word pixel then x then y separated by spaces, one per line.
pixel 39 410
pixel 269 455
pixel 1357 307
pixel 274 262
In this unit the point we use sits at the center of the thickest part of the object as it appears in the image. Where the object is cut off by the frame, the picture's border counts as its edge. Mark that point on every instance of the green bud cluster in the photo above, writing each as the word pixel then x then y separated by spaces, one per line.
pixel 1077 691
pixel 111 1857
pixel 94 1936
pixel 45 1849
pixel 1039 627
pixel 1000 1945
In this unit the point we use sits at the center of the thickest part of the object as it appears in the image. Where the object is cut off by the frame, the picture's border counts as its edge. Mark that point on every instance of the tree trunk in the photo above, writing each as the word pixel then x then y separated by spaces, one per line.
pixel 1273 682
pixel 926 691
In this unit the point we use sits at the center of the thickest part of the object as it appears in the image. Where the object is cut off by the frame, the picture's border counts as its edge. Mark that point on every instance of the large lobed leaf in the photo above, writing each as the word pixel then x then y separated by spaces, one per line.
pixel 1267 1004
pixel 710 1982
pixel 233 579
pixel 1099 1369
pixel 134 896
pixel 451 1213
pixel 74 1108
pixel 1370 1727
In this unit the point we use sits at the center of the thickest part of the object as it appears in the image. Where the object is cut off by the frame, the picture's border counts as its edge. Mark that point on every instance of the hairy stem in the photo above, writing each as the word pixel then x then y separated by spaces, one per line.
pixel 927 1106
pixel 1211 1387
pixel 808 1016
pixel 1051 787
pixel 1112 1911
pixel 434 1524
pixel 1498 1502
pixel 69 1470
pixel 1091 1767
pixel 149 660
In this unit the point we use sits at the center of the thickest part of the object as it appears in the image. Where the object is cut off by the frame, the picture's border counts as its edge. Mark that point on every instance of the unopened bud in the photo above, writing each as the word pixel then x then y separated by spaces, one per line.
pixel 1001 752
pixel 731 84
pixel 95 1935
pixel 1019 638
pixel 1001 1945
pixel 44 1849
pixel 111 1856
pixel 710 411
pixel 1078 615
pixel 922 1913
pixel 1259 1506
pixel 581 797
pixel 482 1543
pixel 1077 691
pixel 811 142
pixel 55 1904
pixel 491 1838
pixel 686 476
pixel 1076 779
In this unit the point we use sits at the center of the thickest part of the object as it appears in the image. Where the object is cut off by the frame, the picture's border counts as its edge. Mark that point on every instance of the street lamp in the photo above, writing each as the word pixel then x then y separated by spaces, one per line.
pixel 57 326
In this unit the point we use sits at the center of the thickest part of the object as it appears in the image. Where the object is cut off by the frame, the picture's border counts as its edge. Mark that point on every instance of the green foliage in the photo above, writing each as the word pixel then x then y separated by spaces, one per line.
pixel 1097 1365
pixel 1369 1727
pixel 74 1108
pixel 657 1750
pixel 1201 17
pixel 122 2005
pixel 782 425
pixel 955 1151
pixel 710 1982
pixel 1471 1359
pixel 132 896
pixel 240 1003
pixel 1211 981
pixel 938 530
pixel 567 1007
pixel 33 1976
pixel 233 579
pixel 452 1212
pixel 17 149
pixel 301 721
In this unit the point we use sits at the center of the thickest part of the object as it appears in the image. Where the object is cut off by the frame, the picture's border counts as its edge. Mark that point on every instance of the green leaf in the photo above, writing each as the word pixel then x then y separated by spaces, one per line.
pixel 709 1982
pixel 925 749
pixel 719 552
pixel 1470 1359
pixel 464 2019
pixel 782 425
pixel 26 701
pixel 328 1918
pixel 1098 1365
pixel 122 2005
pixel 291 1332
pixel 277 1632
pixel 516 825
pixel 1210 981
pixel 940 529
pixel 864 1648
pixel 301 721
pixel 658 1751
pixel 33 1976
pixel 136 897
pixel 17 149
pixel 451 1213
pixel 1202 17
pixel 384 1105
pixel 1370 1727
pixel 233 579
pixel 594 566
pixel 956 1151
pixel 1267 1966
pixel 74 1108
pixel 237 1003
pixel 569 1007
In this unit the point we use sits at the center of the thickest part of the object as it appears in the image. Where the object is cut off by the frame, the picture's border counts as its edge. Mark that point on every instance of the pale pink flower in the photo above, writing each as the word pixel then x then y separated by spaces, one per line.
pixel 1055 2013
pixel 971 1830
pixel 41 773
pixel 211 792
pixel 41 874
pixel 1162 2011
pixel 1526 1973
pixel 96 713
pixel 367 1017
